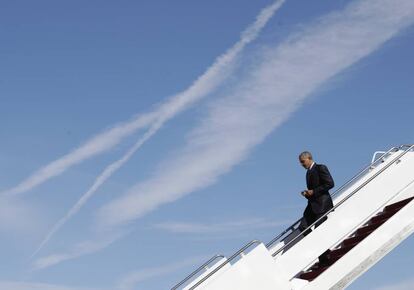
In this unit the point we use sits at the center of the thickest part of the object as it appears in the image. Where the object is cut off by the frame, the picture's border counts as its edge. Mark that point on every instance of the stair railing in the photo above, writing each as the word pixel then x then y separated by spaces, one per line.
pixel 362 172
pixel 291 242
pixel 237 254
pixel 364 221
pixel 201 268
pixel 294 225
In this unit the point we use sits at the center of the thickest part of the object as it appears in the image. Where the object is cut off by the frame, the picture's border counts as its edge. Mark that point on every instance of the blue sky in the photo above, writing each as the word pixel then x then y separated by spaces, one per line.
pixel 218 166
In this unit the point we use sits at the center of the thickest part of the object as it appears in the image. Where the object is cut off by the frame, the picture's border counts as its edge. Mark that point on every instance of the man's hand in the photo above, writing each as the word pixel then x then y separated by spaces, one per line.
pixel 308 193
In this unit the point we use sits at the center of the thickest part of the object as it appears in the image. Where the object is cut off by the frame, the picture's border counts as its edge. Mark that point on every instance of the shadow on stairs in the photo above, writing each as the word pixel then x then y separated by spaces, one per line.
pixel 354 239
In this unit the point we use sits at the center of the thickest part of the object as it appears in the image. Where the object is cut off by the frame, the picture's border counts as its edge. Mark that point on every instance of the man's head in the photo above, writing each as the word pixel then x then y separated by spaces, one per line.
pixel 305 159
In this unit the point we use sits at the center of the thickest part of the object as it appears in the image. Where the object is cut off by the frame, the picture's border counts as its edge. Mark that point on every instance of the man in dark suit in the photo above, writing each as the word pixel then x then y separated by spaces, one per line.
pixel 319 181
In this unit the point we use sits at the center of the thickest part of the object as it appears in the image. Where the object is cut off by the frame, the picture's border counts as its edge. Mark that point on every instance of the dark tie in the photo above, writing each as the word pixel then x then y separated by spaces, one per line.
pixel 307 177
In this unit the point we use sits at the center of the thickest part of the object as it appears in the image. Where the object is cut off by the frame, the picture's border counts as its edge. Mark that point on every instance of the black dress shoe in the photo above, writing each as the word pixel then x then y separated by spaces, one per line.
pixel 324 263
pixel 325 259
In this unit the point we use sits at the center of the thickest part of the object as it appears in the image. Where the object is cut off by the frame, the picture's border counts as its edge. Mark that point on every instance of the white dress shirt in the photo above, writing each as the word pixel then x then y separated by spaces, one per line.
pixel 310 168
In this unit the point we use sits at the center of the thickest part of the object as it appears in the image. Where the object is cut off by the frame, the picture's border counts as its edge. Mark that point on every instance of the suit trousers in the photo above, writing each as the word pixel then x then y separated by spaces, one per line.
pixel 309 217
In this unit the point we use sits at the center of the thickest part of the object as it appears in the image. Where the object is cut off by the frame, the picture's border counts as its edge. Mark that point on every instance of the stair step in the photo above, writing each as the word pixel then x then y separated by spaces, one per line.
pixel 338 253
pixel 332 261
pixel 367 229
pixel 359 235
pixel 394 209
pixel 354 240
pixel 310 275
pixel 379 222
pixel 335 255
pixel 381 217
pixel 398 205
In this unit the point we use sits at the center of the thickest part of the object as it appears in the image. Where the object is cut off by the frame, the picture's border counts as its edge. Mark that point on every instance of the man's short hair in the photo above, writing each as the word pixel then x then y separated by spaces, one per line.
pixel 306 154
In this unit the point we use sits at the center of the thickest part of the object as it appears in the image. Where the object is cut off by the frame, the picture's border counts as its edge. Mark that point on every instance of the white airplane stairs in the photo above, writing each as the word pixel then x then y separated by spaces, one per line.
pixel 373 213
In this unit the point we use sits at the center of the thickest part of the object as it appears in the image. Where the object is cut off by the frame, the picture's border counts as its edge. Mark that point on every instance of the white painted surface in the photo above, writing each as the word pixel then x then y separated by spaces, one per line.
pixel 350 215
pixel 255 271
pixel 368 252
pixel 258 270
pixel 208 271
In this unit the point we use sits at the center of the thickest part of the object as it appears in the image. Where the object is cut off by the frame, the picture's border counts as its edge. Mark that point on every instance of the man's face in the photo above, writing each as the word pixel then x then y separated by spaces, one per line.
pixel 306 162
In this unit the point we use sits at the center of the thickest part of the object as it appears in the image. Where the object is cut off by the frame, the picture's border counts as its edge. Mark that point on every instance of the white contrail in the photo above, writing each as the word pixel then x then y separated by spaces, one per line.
pixel 96 145
pixel 204 85
pixel 213 77
pixel 98 182
pixel 281 81
pixel 286 76
pixel 80 249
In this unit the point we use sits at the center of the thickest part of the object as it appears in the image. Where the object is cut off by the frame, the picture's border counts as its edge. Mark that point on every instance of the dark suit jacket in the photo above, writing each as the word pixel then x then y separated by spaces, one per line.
pixel 320 181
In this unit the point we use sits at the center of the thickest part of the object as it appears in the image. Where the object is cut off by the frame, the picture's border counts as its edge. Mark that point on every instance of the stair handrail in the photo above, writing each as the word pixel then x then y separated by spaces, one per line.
pixel 346 198
pixel 202 267
pixel 364 221
pixel 346 184
pixel 234 256
pixel 292 227
pixel 374 156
